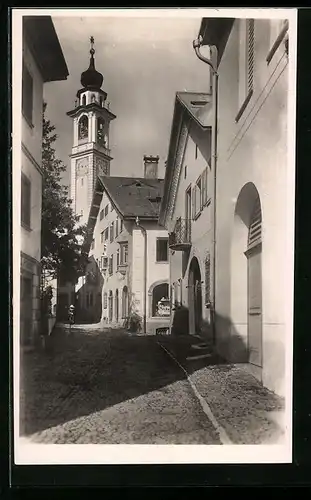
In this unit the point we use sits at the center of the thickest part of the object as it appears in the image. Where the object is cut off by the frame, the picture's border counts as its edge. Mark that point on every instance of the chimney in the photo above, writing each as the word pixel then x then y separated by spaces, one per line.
pixel 151 167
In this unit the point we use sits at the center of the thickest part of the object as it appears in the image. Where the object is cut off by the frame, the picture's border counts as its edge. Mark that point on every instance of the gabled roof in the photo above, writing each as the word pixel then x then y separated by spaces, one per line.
pixel 193 107
pixel 197 105
pixel 135 196
pixel 131 197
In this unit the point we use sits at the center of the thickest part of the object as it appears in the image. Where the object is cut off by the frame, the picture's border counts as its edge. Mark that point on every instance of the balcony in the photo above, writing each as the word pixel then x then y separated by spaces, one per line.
pixel 180 238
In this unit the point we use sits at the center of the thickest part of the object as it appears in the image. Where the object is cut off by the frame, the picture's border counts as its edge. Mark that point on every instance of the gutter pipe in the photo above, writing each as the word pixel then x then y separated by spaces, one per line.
pixel 213 65
pixel 143 230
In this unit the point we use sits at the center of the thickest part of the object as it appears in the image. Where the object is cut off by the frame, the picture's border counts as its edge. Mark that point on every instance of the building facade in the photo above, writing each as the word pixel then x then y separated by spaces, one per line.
pixel 250 197
pixel 43 61
pixel 128 271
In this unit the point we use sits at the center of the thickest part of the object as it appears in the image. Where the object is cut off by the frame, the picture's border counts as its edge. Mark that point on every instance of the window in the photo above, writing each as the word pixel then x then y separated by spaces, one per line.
pixel 84 100
pixel 83 128
pixel 197 198
pixel 27 94
pixel 111 232
pixel 205 196
pixel 106 210
pixel 196 152
pixel 101 101
pixel 106 233
pixel 111 265
pixel 25 201
pixel 101 215
pixel 117 228
pixel 101 132
pixel 105 300
pixel 124 253
pixel 162 249
pixel 121 225
pixel 246 63
pixel 185 175
pixel 102 236
pixel 207 265
pixel 118 257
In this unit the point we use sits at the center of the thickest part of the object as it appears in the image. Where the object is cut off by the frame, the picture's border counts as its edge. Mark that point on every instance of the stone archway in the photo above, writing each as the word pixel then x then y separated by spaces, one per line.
pixel 246 276
pixel 156 292
pixel 195 297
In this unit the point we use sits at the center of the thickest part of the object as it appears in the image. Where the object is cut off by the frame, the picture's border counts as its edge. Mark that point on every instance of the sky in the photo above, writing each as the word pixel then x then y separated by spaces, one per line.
pixel 144 62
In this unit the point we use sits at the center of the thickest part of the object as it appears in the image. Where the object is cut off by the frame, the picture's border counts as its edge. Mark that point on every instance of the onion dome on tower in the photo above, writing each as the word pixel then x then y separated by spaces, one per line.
pixel 91 78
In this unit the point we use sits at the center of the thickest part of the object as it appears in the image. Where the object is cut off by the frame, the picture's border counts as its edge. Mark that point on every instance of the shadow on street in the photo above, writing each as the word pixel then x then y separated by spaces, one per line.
pixel 87 371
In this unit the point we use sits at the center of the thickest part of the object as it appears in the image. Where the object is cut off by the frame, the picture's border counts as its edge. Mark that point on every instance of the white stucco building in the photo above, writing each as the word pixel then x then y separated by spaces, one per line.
pixel 43 61
pixel 239 246
pixel 128 270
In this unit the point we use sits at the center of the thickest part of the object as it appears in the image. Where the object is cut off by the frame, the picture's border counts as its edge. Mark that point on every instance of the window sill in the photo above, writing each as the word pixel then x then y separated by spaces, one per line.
pixel 244 106
pixel 161 261
pixel 25 226
pixel 29 121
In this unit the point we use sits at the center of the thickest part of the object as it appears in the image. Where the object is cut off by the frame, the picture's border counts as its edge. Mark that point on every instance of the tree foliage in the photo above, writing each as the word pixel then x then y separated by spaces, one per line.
pixel 61 236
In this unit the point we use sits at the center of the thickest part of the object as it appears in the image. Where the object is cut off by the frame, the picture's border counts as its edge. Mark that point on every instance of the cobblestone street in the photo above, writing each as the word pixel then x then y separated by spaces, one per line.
pixel 107 387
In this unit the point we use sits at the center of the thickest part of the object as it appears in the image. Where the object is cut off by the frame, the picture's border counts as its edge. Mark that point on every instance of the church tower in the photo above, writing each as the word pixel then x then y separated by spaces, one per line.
pixel 90 154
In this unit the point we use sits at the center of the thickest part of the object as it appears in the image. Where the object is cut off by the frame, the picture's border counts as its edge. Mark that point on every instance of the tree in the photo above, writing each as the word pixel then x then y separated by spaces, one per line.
pixel 61 236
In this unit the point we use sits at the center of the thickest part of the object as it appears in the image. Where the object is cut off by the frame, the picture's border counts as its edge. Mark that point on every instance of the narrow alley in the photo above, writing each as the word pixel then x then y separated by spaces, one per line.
pixel 107 387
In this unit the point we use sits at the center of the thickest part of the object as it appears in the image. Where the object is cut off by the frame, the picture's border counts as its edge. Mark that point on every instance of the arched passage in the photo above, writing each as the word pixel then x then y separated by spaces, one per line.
pixel 110 306
pixel 246 274
pixel 117 305
pixel 125 305
pixel 195 297
pixel 157 291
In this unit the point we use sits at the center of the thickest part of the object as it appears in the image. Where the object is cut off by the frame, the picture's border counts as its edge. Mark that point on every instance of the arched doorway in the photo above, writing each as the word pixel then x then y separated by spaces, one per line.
pixel 110 306
pixel 117 305
pixel 246 276
pixel 125 302
pixel 195 297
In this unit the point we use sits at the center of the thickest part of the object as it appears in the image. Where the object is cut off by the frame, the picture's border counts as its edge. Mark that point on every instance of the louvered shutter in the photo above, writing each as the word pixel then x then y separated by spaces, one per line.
pixel 254 234
pixel 250 54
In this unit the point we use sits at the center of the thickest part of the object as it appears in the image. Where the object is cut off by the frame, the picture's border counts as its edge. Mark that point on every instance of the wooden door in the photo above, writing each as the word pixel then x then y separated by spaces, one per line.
pixel 255 307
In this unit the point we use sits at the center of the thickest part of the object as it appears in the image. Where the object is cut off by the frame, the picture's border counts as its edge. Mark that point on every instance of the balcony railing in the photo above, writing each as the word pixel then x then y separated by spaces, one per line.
pixel 180 238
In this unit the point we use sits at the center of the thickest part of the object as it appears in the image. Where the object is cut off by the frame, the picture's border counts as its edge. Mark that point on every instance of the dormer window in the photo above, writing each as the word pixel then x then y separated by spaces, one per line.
pixel 101 102
pixel 83 128
pixel 84 100
pixel 93 98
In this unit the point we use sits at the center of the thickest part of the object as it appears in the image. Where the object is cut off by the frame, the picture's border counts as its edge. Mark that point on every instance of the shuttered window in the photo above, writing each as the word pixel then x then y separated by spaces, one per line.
pixel 105 300
pixel 27 94
pixel 207 265
pixel 250 46
pixel 25 201
pixel 254 233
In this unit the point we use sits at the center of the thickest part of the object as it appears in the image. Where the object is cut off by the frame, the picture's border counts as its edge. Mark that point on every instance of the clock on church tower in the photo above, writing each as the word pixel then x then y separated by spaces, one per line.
pixel 90 155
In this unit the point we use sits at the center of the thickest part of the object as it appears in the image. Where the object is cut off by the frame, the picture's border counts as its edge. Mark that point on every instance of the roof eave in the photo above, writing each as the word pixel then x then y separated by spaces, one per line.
pixel 216 31
pixel 43 42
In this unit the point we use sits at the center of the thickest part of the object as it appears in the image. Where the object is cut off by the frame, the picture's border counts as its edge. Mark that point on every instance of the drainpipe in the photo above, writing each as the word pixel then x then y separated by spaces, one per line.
pixel 213 65
pixel 143 230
